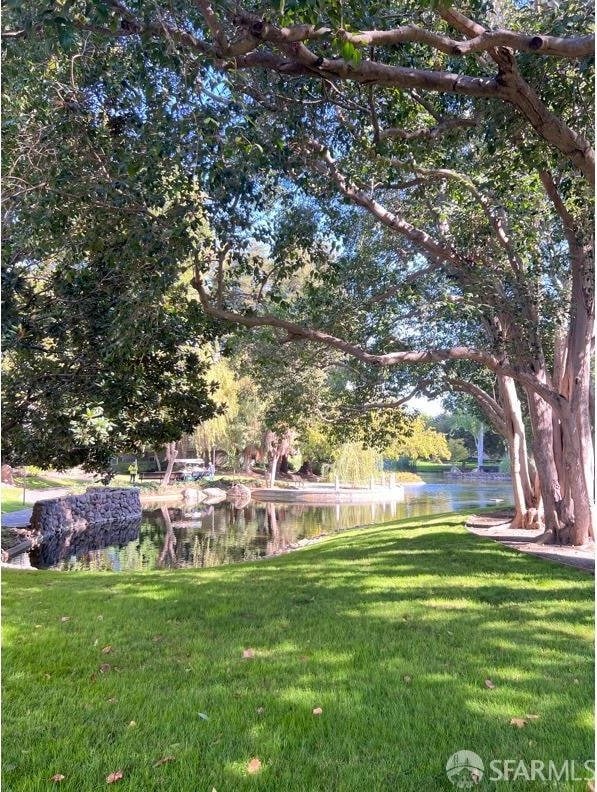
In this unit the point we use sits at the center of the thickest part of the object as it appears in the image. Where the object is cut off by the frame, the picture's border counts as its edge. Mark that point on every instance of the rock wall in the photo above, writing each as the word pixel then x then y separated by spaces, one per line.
pixel 97 505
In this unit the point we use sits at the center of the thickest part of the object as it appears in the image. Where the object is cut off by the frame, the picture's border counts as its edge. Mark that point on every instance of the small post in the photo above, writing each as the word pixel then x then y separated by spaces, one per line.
pixel 337 484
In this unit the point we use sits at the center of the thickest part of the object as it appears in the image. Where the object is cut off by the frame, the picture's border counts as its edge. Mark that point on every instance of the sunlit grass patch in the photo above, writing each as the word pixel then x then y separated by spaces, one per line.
pixel 391 631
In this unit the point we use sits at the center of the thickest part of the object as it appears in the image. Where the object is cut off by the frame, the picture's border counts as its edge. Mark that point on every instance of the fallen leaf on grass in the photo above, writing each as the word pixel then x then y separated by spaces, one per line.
pixel 475 775
pixel 489 684
pixel 254 766
pixel 532 717
pixel 132 724
pixel 112 700
pixel 57 778
pixel 203 716
pixel 100 618
pixel 114 777
pixel 260 710
pixel 518 722
pixel 248 653
pixel 107 649
pixel 164 760
pixel 64 618
pixel 317 711
pixel 407 679
pixel 105 667
pixel 157 637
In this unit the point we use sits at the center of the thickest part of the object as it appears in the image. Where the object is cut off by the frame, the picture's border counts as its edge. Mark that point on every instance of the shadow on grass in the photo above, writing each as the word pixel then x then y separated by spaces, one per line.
pixel 391 630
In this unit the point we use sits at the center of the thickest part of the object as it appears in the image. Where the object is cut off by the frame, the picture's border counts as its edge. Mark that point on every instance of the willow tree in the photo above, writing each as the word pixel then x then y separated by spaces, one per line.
pixel 455 132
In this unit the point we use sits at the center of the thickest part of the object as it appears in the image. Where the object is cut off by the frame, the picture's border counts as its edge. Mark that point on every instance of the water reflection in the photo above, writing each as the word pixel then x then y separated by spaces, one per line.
pixel 223 534
pixel 92 545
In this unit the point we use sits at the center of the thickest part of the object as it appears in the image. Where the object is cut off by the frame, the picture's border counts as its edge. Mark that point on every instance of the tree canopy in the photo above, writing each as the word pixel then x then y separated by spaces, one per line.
pixel 410 195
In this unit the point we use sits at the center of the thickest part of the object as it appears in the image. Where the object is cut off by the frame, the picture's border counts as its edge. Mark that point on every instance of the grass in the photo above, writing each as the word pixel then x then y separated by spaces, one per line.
pixel 12 499
pixel 391 630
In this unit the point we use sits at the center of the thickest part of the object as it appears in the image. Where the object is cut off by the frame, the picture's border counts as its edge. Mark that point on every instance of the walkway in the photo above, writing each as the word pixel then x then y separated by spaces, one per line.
pixel 15 524
pixel 21 517
pixel 495 526
pixel 17 519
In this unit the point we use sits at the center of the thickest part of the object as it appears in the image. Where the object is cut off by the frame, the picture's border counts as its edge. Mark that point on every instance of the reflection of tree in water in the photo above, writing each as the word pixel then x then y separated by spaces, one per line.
pixel 224 534
pixel 85 546
pixel 167 557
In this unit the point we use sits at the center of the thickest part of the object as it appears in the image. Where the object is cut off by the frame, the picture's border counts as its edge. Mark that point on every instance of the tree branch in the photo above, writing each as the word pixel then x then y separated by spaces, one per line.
pixel 515 90
pixel 420 238
pixel 489 405
pixel 296 330
pixel 496 222
pixel 426 132
pixel 573 47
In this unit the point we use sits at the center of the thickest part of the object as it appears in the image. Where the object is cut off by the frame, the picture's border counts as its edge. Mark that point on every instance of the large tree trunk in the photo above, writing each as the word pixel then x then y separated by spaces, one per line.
pixel 171 454
pixel 527 513
pixel 575 465
pixel 572 366
pixel 506 419
pixel 557 515
pixel 577 439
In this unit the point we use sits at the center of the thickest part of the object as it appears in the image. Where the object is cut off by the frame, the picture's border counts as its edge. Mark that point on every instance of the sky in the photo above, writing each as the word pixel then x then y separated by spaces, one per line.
pixel 426 406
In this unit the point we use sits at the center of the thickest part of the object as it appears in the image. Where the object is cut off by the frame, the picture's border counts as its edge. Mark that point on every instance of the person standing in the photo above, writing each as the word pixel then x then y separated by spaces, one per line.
pixel 133 471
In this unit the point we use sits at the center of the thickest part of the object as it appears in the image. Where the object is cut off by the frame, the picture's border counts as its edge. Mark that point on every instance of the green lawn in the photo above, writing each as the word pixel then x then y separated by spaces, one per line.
pixel 391 630
pixel 12 499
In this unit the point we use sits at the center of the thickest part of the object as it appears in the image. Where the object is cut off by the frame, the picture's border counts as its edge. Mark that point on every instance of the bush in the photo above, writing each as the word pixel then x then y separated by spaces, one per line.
pixel 504 466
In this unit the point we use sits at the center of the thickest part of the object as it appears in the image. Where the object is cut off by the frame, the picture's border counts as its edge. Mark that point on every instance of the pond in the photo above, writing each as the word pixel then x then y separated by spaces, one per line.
pixel 173 537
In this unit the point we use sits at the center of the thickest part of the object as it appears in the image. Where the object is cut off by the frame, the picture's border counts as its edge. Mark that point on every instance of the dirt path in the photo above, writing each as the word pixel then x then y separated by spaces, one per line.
pixel 495 526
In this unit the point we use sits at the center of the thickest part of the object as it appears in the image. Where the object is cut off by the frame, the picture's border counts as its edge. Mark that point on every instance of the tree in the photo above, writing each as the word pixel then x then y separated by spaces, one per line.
pixel 423 442
pixel 450 204
pixel 87 376
pixel 213 433
pixel 469 423
pixel 458 450
pixel 355 464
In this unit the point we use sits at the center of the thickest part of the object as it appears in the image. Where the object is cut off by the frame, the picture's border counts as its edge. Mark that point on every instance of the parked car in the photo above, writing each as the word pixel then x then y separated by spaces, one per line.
pixel 189 471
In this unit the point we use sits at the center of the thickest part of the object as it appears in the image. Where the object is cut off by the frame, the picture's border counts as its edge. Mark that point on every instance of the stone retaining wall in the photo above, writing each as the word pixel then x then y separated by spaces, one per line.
pixel 97 505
